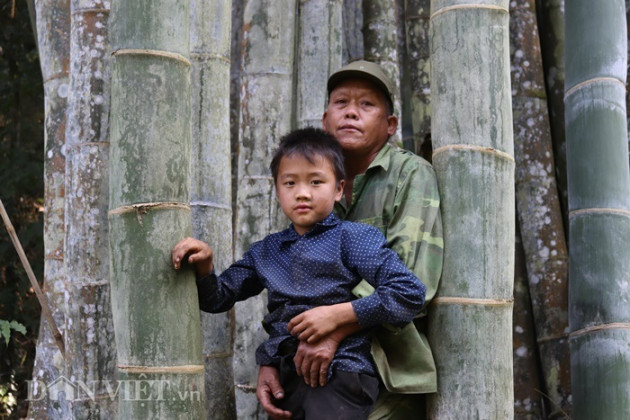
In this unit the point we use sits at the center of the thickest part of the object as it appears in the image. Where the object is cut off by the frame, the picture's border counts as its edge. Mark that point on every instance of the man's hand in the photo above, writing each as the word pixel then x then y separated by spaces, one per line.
pixel 269 389
pixel 198 253
pixel 316 323
pixel 313 360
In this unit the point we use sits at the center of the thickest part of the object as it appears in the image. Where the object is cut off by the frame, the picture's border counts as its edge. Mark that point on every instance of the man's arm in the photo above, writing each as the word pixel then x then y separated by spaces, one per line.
pixel 415 229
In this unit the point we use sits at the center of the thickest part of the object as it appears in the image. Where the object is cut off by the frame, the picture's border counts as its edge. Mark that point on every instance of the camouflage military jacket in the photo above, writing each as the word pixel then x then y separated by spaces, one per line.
pixel 398 194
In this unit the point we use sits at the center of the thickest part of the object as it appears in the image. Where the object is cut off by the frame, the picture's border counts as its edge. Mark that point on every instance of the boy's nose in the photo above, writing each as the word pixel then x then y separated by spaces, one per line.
pixel 302 192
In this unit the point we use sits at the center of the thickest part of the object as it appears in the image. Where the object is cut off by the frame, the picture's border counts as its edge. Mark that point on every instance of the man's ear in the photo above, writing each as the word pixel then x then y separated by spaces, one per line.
pixel 324 120
pixel 392 124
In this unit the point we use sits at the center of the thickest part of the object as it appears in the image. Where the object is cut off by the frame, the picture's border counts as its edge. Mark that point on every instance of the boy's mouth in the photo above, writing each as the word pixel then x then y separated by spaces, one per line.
pixel 302 208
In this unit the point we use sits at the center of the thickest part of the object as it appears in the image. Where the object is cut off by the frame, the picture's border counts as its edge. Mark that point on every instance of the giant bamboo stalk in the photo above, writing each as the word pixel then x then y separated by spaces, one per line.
pixel 527 384
pixel 470 324
pixel 318 55
pixel 380 38
pixel 91 355
pixel 417 13
pixel 551 28
pixel 352 36
pixel 156 314
pixel 628 96
pixel 538 208
pixel 53 29
pixel 265 115
pixel 599 204
pixel 211 195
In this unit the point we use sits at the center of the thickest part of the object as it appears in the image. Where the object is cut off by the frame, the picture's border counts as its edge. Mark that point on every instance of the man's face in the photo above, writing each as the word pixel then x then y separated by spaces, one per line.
pixel 307 191
pixel 357 115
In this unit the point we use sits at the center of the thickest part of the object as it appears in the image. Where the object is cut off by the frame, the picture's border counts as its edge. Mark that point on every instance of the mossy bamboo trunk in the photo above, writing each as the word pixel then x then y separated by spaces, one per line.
pixel 211 192
pixel 417 14
pixel 53 29
pixel 528 400
pixel 266 105
pixel 156 314
pixel 352 35
pixel 599 204
pixel 91 349
pixel 628 96
pixel 470 324
pixel 380 40
pixel 551 28
pixel 538 208
pixel 318 55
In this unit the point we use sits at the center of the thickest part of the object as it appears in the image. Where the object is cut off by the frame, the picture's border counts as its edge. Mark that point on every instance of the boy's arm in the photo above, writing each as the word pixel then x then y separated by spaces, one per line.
pixel 217 293
pixel 397 298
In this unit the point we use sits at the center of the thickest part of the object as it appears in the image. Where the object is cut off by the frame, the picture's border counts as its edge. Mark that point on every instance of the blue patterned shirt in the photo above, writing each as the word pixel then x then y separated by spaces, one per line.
pixel 319 268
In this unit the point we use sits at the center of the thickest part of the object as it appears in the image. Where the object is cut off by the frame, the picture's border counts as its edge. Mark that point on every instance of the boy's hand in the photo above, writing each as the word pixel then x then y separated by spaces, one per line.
pixel 316 323
pixel 197 252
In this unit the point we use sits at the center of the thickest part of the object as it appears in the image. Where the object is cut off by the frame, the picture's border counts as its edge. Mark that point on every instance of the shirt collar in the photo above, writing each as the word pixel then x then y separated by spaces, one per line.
pixel 382 158
pixel 289 234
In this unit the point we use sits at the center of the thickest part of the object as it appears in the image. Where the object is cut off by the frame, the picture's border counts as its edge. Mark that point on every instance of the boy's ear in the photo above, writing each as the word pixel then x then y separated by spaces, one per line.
pixel 339 191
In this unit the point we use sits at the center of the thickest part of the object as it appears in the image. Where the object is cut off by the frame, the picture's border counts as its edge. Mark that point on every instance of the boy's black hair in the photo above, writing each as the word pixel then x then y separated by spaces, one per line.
pixel 309 142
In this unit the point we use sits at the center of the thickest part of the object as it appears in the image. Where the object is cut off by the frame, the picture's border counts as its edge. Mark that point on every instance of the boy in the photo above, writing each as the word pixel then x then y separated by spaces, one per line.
pixel 309 271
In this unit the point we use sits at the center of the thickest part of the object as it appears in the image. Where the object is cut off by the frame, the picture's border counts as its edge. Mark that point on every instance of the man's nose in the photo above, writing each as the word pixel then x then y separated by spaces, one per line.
pixel 351 112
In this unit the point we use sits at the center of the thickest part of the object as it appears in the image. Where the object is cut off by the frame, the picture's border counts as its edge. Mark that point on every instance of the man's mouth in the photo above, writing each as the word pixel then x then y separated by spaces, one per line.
pixel 348 128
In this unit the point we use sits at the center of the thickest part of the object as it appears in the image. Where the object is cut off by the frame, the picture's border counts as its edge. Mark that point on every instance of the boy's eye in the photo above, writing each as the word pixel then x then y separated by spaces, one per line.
pixel 316 182
pixel 289 183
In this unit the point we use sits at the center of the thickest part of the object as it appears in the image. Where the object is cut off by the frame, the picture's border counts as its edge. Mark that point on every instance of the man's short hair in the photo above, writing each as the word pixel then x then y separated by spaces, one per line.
pixel 365 70
pixel 309 143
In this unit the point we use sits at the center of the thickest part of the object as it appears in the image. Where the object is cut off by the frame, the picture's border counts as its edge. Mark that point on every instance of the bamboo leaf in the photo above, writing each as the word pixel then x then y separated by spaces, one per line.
pixel 5 330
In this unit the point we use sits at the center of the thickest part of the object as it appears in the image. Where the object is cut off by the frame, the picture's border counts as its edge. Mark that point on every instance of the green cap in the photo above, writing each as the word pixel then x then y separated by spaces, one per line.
pixel 362 69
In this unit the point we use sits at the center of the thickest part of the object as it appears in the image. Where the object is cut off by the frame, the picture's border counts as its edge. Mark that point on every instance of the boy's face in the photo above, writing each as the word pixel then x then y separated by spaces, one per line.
pixel 306 191
pixel 357 115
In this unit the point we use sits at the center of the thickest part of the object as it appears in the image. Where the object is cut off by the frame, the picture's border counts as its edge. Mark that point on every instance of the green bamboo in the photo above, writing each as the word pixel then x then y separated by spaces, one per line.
pixel 470 324
pixel 53 31
pixel 156 314
pixel 266 106
pixel 318 55
pixel 538 208
pixel 417 13
pixel 211 195
pixel 599 204
pixel 91 357
pixel 528 398
pixel 380 39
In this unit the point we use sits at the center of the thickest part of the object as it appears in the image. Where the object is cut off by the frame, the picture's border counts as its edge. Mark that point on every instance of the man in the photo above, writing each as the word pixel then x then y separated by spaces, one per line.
pixel 396 192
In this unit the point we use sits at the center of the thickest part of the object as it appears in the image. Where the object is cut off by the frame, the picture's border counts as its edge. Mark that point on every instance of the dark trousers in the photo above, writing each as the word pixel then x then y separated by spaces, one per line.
pixel 346 396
